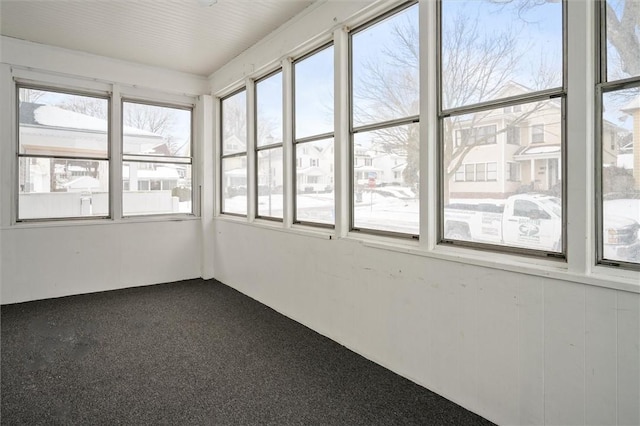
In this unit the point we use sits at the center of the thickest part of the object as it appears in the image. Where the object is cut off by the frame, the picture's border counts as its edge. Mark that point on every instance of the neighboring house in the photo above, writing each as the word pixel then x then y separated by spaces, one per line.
pixel 314 167
pixel 55 132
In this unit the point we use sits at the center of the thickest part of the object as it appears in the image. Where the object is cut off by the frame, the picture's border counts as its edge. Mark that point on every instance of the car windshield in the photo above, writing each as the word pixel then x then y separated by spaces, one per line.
pixel 553 204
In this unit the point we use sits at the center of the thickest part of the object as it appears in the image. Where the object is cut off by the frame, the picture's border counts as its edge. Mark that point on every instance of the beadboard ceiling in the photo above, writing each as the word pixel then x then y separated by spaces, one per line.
pixel 182 35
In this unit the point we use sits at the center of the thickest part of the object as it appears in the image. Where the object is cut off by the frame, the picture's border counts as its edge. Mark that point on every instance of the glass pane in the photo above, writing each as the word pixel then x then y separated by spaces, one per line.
pixel 156 188
pixel 314 180
pixel 60 124
pixel 489 172
pixel 269 110
pixel 270 202
pixel 386 179
pixel 234 123
pixel 496 49
pixel 621 175
pixel 385 74
pixel 314 94
pixel 156 130
pixel 623 39
pixel 234 185
pixel 62 188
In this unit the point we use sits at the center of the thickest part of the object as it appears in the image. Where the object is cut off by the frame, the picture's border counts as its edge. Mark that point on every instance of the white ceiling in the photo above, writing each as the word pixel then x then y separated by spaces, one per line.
pixel 181 35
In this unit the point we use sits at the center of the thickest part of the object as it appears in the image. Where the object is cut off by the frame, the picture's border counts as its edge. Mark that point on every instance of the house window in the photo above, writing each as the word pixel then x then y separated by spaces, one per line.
pixel 513 172
pixel 618 89
pixel 63 154
pixel 233 159
pixel 537 133
pixel 513 135
pixel 156 148
pixel 482 135
pixel 314 136
pixel 384 120
pixel 269 135
pixel 479 85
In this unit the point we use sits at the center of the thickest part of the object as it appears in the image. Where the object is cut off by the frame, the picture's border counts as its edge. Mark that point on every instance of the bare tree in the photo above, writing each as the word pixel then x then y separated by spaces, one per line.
pixel 31 95
pixel 88 106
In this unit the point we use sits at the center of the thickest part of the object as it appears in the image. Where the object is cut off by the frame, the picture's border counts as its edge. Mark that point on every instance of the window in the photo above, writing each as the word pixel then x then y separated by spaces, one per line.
pixel 63 154
pixel 384 116
pixel 479 85
pixel 233 177
pixel 618 90
pixel 269 136
pixel 157 159
pixel 482 135
pixel 513 172
pixel 314 138
pixel 476 172
pixel 513 135
pixel 537 133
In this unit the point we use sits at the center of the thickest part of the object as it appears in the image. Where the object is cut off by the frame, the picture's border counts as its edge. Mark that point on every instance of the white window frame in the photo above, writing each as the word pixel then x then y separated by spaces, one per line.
pixel 500 104
pixel 107 158
pixel 156 159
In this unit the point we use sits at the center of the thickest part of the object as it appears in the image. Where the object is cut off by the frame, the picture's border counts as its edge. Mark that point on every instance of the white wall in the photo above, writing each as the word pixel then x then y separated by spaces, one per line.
pixel 516 340
pixel 43 260
pixel 515 348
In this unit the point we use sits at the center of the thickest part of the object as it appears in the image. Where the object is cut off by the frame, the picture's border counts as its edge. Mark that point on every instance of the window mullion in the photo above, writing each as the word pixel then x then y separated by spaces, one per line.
pixel 579 137
pixel 251 151
pixel 343 174
pixel 288 174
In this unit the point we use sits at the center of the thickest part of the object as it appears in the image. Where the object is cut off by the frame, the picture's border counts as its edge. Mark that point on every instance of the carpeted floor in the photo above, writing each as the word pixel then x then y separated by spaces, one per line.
pixel 193 352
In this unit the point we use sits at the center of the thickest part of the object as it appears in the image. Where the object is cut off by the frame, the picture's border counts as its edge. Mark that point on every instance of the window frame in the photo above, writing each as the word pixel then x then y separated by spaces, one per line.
pixel 159 159
pixel 603 86
pixel 269 147
pixel 369 127
pixel 549 94
pixel 223 156
pixel 19 84
pixel 299 143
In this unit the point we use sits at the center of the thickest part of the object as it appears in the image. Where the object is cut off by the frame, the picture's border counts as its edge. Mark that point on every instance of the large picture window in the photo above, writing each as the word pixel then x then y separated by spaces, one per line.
pixel 157 159
pixel 63 154
pixel 233 175
pixel 385 137
pixel 619 134
pixel 501 125
pixel 314 138
pixel 269 137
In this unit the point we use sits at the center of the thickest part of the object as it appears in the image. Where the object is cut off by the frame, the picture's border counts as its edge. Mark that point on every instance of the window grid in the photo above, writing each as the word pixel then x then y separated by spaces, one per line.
pixel 169 168
pixel 505 104
pixel 232 184
pixel 268 150
pixel 304 148
pixel 77 162
pixel 617 184
pixel 366 181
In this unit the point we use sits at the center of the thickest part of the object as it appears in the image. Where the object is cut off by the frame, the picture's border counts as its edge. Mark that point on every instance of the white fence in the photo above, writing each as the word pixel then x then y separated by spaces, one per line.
pixel 80 204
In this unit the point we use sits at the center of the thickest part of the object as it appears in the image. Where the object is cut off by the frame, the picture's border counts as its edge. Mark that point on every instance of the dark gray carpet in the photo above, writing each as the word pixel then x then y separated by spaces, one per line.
pixel 193 352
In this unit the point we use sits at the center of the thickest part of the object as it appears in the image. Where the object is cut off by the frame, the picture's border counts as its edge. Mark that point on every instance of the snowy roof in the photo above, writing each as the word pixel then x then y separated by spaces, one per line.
pixel 52 116
pixel 541 149
pixel 551 151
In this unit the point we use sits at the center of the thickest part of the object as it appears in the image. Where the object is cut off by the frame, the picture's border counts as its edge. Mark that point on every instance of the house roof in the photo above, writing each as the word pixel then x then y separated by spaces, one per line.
pixel 37 114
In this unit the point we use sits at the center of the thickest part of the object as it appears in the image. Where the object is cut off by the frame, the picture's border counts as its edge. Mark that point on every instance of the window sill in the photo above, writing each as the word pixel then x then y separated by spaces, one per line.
pixel 64 223
pixel 624 280
pixel 306 230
